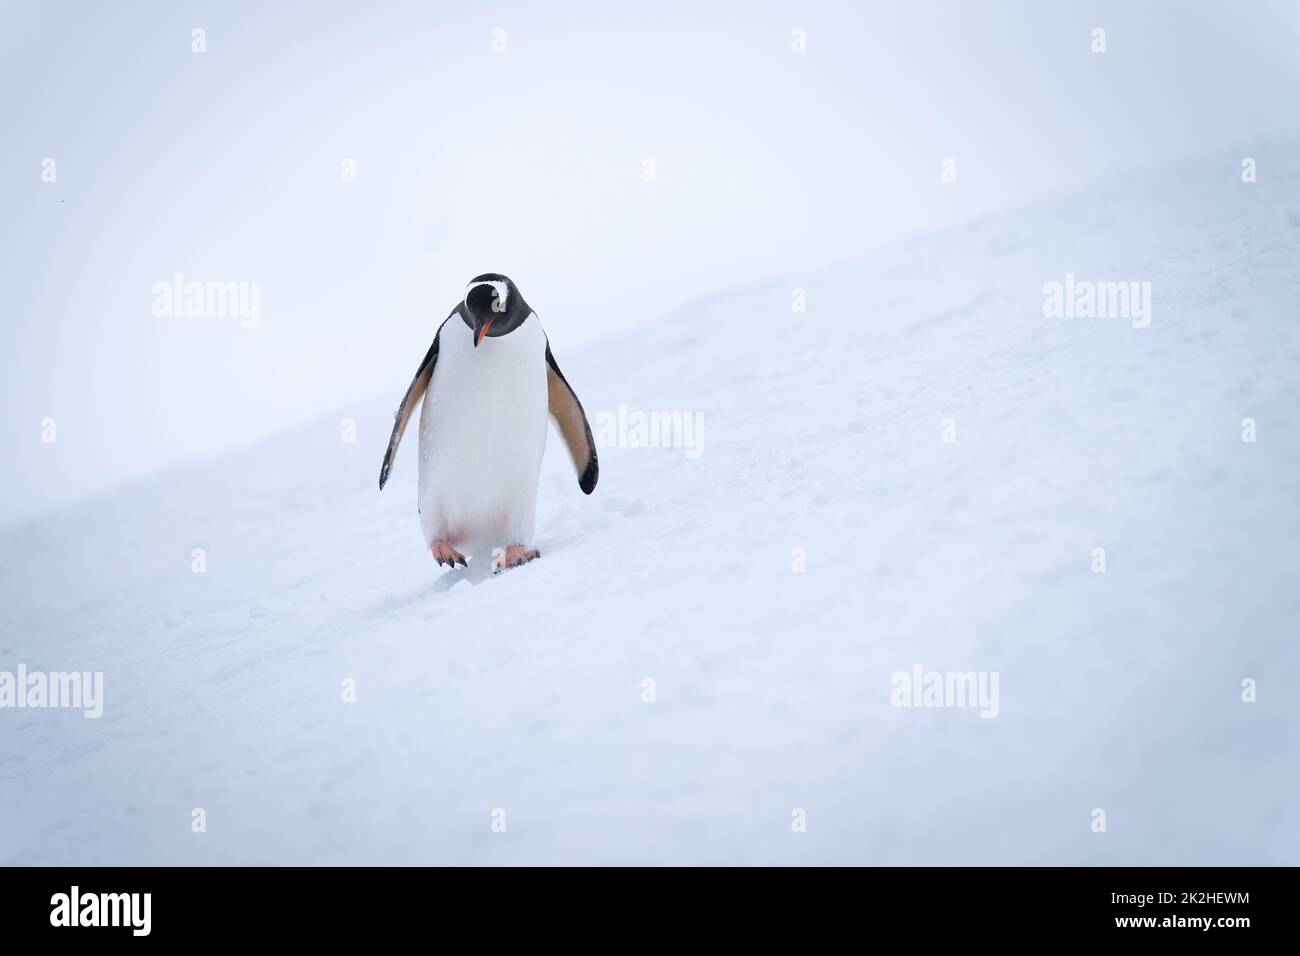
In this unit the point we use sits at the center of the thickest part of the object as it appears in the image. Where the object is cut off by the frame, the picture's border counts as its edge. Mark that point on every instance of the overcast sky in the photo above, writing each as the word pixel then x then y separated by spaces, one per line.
pixel 228 165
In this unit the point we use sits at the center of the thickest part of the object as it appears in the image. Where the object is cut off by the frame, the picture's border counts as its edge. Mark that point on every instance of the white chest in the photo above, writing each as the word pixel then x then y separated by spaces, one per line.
pixel 483 430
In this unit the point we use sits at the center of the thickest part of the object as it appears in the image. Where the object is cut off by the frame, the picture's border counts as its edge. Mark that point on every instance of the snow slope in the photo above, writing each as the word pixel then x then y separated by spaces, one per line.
pixel 1118 690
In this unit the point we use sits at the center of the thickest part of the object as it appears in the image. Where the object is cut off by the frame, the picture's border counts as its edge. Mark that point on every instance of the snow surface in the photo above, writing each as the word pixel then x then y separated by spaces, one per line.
pixel 1119 691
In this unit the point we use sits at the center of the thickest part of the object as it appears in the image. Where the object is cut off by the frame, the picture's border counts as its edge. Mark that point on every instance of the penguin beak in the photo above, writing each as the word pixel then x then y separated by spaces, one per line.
pixel 482 331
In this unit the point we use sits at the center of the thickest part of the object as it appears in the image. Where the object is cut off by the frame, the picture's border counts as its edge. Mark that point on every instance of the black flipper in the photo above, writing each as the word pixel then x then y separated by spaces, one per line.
pixel 572 422
pixel 419 384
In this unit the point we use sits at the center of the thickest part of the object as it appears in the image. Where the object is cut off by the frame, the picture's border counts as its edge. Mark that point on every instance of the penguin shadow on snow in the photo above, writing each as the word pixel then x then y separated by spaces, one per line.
pixel 478 572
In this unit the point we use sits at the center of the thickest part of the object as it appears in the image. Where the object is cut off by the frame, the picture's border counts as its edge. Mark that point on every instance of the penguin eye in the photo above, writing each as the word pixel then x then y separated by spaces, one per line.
pixel 483 299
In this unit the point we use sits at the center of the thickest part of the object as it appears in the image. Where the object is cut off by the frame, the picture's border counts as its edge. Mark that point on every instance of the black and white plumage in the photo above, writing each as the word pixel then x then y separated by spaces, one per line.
pixel 488 382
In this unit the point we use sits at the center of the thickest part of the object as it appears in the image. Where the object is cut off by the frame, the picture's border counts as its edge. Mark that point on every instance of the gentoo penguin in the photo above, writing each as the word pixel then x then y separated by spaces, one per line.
pixel 488 381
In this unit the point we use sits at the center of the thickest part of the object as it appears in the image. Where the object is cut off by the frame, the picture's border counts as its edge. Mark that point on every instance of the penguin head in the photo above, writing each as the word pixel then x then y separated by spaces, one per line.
pixel 493 306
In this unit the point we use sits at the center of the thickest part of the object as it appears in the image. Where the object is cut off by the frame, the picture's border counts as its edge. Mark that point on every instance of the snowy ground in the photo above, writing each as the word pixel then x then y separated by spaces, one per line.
pixel 823 432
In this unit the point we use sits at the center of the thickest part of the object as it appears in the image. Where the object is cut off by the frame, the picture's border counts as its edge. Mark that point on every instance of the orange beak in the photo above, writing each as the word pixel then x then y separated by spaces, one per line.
pixel 482 332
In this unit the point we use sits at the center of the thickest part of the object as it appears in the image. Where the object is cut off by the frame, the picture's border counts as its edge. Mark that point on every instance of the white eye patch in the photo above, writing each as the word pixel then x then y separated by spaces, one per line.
pixel 502 293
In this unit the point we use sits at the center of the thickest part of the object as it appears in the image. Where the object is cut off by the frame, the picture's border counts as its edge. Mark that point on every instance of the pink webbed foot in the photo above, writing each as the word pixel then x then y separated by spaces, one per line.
pixel 513 557
pixel 444 553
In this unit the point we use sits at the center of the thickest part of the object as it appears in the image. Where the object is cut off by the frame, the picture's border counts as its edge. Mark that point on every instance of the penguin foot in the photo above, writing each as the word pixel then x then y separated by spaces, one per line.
pixel 444 553
pixel 513 557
